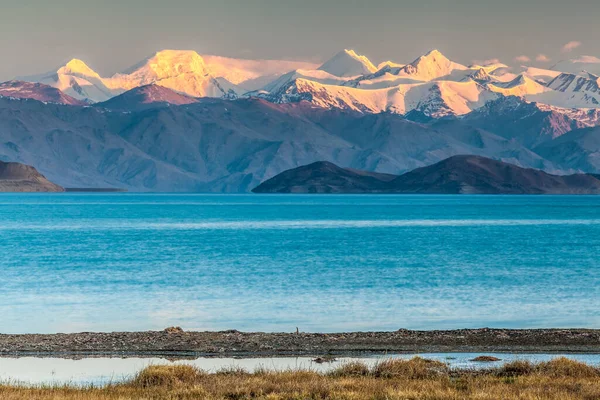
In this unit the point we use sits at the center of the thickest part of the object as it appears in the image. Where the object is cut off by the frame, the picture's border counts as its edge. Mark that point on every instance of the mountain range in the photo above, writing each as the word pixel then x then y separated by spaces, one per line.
pixel 454 175
pixel 181 121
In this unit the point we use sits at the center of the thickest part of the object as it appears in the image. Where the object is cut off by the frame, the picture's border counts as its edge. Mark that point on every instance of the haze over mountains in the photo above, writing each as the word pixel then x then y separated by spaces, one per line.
pixel 180 121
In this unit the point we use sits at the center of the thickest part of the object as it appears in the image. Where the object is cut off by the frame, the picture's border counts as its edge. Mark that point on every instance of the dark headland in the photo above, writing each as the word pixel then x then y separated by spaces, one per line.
pixel 21 178
pixel 455 175
pixel 175 342
pixel 17 177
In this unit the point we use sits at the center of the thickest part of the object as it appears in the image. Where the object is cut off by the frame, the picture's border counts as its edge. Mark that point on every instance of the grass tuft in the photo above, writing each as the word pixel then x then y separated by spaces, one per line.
pixel 516 368
pixel 416 368
pixel 351 369
pixel 564 367
pixel 168 376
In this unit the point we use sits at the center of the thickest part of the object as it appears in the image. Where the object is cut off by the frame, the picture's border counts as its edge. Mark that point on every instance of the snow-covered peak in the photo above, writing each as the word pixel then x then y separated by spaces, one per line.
pixel 77 67
pixel 183 71
pixel 479 74
pixel 431 57
pixel 491 68
pixel 575 83
pixel 347 63
pixel 431 66
pixel 389 64
pixel 167 64
pixel 520 86
pixel 77 80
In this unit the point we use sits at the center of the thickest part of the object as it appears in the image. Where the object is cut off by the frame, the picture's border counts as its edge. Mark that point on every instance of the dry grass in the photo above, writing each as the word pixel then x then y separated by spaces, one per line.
pixel 389 380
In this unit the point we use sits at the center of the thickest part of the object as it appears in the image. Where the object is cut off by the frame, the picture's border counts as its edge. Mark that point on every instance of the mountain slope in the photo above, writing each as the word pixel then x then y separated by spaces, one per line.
pixel 578 91
pixel 480 175
pixel 455 175
pixel 432 98
pixel 578 149
pixel 37 91
pixel 225 146
pixel 526 123
pixel 15 177
pixel 324 177
pixel 146 97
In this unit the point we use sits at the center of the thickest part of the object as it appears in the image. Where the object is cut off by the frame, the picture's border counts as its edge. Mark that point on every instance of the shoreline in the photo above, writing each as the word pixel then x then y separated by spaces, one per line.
pixel 175 343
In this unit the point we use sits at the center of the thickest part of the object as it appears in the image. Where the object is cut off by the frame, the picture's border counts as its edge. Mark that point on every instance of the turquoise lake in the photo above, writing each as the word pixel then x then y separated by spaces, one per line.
pixel 108 262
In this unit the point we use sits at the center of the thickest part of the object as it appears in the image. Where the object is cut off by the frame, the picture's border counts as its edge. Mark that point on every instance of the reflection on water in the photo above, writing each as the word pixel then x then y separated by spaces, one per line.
pixel 100 371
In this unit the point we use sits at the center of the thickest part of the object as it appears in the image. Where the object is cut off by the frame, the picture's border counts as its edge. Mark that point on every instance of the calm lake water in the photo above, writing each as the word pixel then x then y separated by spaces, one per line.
pixel 105 262
pixel 100 371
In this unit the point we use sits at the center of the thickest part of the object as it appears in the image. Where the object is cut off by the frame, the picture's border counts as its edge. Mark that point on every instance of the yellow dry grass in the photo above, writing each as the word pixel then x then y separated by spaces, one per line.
pixel 389 380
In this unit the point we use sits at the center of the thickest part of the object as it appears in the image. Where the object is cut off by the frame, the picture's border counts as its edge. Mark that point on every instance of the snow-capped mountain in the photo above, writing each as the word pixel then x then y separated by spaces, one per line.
pixel 432 84
pixel 182 71
pixel 480 75
pixel 186 72
pixel 524 122
pixel 37 91
pixel 393 88
pixel 77 80
pixel 347 64
pixel 431 66
pixel 432 98
pixel 580 91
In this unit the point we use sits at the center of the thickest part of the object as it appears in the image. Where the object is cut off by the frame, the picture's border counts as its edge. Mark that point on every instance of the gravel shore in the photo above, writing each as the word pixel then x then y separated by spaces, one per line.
pixel 174 342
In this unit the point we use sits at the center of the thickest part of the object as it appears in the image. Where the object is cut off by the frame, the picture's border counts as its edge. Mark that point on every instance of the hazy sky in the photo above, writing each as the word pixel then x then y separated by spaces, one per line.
pixel 110 35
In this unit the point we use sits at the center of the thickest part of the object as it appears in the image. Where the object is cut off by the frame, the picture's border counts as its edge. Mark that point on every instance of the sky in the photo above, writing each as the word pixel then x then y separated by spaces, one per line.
pixel 38 36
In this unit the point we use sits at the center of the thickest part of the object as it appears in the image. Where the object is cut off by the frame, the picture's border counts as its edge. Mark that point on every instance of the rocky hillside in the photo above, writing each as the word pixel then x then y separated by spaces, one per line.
pixel 16 177
pixel 455 175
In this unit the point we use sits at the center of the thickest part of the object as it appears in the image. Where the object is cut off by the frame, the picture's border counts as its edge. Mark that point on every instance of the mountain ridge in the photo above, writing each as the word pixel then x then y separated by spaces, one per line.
pixel 461 174
pixel 37 91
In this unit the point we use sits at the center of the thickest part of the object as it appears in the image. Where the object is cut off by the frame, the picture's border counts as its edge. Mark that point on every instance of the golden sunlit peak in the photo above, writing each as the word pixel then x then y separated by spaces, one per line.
pixel 76 66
